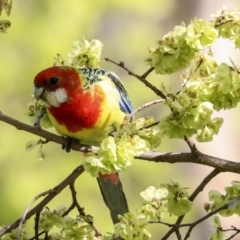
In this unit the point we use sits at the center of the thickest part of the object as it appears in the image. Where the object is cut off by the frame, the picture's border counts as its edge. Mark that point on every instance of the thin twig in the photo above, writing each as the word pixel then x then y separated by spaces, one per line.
pixel 141 78
pixel 144 75
pixel 36 225
pixel 46 236
pixel 151 125
pixel 69 210
pixel 237 231
pixel 233 235
pixel 204 183
pixel 38 234
pixel 75 201
pixel 225 206
pixel 190 144
pixel 144 106
pixel 81 210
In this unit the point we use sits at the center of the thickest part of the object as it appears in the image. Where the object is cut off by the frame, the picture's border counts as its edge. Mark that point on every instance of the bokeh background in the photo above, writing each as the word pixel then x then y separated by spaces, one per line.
pixel 40 29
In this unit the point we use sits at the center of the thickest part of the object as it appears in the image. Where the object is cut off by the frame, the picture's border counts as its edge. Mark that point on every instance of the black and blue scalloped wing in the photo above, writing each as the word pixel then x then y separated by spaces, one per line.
pixel 125 103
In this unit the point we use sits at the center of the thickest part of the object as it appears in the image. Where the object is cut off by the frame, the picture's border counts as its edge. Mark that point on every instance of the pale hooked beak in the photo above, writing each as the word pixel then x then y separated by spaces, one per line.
pixel 38 91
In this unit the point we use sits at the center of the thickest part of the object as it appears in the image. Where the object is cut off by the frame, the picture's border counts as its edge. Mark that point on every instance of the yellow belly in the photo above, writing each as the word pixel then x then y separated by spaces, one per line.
pixel 92 136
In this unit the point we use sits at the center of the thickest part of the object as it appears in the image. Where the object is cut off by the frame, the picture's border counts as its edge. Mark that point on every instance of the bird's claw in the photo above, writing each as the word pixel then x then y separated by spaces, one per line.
pixel 67 144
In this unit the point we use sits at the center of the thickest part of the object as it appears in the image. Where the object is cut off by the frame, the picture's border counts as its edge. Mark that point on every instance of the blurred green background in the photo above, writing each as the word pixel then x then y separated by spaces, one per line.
pixel 40 29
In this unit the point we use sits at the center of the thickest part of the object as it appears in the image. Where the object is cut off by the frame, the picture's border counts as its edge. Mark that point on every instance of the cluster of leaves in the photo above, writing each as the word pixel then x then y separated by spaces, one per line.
pixel 178 48
pixel 231 199
pixel 170 199
pixel 217 233
pixel 217 200
pixel 69 228
pixel 227 23
pixel 32 144
pixel 37 110
pixel 208 85
pixel 116 153
pixel 83 54
pixel 4 23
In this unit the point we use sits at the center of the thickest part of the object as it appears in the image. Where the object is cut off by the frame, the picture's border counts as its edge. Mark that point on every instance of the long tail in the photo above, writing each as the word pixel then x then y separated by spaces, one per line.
pixel 113 195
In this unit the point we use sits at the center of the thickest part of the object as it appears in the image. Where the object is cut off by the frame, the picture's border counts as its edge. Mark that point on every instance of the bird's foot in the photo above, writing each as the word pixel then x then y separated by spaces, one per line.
pixel 67 144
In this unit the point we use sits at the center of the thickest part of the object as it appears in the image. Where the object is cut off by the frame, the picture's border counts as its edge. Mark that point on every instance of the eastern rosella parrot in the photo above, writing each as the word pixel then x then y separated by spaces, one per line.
pixel 87 104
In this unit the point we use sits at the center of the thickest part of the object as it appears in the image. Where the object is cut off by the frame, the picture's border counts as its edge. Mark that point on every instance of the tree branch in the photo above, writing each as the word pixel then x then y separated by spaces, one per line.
pixel 142 78
pixel 225 206
pixel 144 106
pixel 52 194
pixel 221 164
pixel 75 145
pixel 81 212
pixel 236 230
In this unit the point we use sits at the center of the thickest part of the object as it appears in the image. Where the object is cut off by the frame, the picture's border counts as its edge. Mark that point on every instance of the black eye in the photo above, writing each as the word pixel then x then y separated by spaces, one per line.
pixel 54 80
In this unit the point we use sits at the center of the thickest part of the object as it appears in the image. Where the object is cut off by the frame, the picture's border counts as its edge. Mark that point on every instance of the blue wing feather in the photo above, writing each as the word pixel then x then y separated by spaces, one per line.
pixel 125 103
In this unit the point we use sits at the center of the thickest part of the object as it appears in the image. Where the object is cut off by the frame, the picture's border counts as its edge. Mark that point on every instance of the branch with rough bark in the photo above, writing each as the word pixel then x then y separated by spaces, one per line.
pixel 221 164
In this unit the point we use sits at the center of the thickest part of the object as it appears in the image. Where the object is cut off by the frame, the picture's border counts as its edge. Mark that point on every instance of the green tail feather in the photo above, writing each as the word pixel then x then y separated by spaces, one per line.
pixel 113 197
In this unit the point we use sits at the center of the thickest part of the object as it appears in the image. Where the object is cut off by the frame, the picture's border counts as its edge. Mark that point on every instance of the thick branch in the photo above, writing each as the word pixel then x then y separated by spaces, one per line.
pixel 221 164
pixel 42 133
pixel 204 159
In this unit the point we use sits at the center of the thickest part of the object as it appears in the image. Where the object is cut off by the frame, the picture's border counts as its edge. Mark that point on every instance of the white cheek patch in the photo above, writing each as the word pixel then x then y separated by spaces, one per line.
pixel 55 98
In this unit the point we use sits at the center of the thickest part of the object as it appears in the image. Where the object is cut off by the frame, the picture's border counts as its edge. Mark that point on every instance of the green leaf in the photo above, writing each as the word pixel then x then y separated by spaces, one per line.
pixel 85 54
pixel 30 145
pixel 4 25
pixel 151 193
pixel 8 6
pixel 179 207
pixel 41 155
